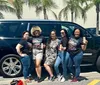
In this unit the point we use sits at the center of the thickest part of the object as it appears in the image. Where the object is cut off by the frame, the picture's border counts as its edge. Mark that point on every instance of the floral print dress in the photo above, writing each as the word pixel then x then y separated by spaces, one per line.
pixel 51 52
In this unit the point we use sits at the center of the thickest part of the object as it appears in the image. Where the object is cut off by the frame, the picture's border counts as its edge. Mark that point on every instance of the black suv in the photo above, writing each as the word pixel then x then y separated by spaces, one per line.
pixel 11 33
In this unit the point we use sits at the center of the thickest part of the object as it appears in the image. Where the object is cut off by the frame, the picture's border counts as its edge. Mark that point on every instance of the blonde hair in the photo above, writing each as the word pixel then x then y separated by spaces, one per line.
pixel 35 28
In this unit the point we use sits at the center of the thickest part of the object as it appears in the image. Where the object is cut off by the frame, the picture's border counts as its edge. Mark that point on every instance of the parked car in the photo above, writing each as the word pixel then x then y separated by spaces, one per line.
pixel 92 31
pixel 11 33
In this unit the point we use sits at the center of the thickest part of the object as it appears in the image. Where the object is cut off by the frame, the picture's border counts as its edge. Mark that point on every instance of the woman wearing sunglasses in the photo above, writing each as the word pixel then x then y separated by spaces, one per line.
pixel 62 56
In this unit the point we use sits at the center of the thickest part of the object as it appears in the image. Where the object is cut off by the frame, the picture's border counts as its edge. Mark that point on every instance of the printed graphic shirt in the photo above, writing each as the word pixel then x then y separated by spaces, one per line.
pixel 74 45
pixel 37 42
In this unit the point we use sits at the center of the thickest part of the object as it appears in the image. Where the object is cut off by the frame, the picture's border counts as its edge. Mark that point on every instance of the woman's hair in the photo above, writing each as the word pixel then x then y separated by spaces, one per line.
pixel 49 40
pixel 66 33
pixel 24 33
pixel 81 33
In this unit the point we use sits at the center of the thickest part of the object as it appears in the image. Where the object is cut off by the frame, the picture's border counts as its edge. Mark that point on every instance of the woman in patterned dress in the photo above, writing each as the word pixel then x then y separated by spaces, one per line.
pixel 51 54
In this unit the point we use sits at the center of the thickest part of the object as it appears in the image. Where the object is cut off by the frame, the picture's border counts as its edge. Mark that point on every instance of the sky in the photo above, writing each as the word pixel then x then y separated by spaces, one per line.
pixel 29 13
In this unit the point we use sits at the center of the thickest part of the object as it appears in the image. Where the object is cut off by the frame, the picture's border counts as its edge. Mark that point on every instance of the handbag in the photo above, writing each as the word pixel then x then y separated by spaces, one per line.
pixel 16 82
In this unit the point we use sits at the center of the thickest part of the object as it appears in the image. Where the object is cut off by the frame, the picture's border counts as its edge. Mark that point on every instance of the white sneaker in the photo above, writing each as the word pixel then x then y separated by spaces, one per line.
pixel 63 79
pixel 59 77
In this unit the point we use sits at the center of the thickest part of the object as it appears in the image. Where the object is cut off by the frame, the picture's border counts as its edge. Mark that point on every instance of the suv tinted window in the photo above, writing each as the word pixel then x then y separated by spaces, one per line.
pixel 70 27
pixel 12 29
pixel 22 27
pixel 47 28
pixel 8 29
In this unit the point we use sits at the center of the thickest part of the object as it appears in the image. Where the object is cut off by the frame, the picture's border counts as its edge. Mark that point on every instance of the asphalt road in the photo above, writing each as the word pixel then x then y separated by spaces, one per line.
pixel 89 76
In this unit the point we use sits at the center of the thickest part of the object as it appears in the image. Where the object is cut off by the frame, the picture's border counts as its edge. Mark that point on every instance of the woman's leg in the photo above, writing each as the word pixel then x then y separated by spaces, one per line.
pixel 38 67
pixel 31 66
pixel 26 64
pixel 70 65
pixel 77 61
pixel 56 65
pixel 49 69
pixel 64 63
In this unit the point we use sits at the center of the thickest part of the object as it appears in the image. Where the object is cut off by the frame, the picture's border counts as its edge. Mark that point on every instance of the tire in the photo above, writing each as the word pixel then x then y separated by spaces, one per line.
pixel 11 66
pixel 98 64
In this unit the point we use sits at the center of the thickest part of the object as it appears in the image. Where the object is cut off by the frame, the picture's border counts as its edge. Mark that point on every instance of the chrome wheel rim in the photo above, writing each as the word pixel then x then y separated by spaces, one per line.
pixel 11 66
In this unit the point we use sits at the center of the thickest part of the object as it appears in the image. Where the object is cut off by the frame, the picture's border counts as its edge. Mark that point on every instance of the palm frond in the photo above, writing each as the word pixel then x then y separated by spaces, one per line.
pixel 1 16
pixel 65 12
pixel 7 8
pixel 48 4
pixel 55 15
pixel 60 14
pixel 85 9
pixel 32 3
pixel 96 2
pixel 3 2
pixel 38 10
pixel 18 5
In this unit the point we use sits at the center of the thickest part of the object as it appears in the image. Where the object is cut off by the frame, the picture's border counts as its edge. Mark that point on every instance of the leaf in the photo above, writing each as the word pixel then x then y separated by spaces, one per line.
pixel 1 16
pixel 55 15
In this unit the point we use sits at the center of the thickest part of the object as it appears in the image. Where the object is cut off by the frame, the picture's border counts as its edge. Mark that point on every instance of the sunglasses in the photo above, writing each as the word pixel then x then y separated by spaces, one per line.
pixel 62 32
pixel 53 34
pixel 76 34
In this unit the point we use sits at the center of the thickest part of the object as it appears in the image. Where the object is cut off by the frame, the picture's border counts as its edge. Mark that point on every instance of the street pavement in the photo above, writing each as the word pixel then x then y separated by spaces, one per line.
pixel 91 77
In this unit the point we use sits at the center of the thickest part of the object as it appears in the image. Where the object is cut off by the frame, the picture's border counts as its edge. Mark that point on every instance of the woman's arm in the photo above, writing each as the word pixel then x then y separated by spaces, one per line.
pixel 29 44
pixel 84 46
pixel 18 47
pixel 61 48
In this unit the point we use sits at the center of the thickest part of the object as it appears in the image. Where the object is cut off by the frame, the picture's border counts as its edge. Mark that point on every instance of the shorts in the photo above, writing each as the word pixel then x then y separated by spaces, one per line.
pixel 37 54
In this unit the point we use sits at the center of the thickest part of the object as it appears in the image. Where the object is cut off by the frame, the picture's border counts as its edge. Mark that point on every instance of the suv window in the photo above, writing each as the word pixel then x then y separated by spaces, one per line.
pixel 47 28
pixel 12 29
pixel 71 26
pixel 8 29
pixel 22 27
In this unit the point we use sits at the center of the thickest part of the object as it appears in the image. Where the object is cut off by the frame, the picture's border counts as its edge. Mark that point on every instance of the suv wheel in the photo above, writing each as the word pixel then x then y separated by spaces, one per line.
pixel 98 64
pixel 11 66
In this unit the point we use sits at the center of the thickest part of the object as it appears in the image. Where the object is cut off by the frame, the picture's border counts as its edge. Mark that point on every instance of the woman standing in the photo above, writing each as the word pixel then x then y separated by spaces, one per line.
pixel 38 45
pixel 23 49
pixel 77 43
pixel 51 53
pixel 62 56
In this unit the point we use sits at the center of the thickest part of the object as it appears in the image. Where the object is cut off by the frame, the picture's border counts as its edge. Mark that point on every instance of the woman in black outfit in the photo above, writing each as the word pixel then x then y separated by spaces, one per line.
pixel 23 49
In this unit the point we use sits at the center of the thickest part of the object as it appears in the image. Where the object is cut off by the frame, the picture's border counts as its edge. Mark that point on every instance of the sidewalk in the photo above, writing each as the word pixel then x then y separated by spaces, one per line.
pixel 89 77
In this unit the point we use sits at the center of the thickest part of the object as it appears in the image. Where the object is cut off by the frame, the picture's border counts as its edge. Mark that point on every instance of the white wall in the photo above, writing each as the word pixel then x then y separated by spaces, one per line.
pixel 29 13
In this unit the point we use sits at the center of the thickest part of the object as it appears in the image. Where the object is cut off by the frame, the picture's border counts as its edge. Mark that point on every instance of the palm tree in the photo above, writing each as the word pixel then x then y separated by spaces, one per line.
pixel 76 8
pixel 4 6
pixel 42 6
pixel 18 6
pixel 97 4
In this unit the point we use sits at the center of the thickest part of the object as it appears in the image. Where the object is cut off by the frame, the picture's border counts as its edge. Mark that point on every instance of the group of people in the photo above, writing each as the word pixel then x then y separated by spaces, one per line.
pixel 67 51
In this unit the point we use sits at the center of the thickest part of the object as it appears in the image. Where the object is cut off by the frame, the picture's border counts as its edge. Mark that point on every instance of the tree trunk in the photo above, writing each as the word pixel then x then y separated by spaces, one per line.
pixel 97 21
pixel 72 16
pixel 45 13
pixel 18 15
